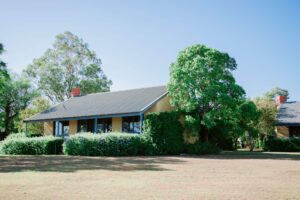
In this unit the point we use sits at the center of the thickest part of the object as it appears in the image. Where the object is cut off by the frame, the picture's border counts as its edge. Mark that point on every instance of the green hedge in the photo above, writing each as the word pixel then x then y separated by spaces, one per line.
pixel 15 135
pixel 201 148
pixel 110 144
pixel 19 145
pixel 165 132
pixel 282 144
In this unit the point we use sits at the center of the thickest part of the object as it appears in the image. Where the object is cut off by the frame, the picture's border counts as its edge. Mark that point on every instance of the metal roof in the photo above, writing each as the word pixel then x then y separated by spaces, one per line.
pixel 288 114
pixel 103 104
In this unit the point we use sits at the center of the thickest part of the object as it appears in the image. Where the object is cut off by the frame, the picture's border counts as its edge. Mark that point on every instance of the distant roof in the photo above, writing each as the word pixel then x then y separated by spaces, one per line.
pixel 105 103
pixel 288 114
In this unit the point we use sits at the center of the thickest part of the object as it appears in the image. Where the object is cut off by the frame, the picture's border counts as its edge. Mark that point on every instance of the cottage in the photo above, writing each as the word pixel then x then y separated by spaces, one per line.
pixel 120 111
pixel 288 118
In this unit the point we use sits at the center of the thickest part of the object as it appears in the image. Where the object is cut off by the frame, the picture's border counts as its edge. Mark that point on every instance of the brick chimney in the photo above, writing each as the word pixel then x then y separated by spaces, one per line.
pixel 75 92
pixel 280 99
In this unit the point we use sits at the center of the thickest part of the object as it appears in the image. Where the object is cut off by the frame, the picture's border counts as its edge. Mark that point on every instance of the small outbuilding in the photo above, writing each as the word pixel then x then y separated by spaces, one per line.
pixel 288 118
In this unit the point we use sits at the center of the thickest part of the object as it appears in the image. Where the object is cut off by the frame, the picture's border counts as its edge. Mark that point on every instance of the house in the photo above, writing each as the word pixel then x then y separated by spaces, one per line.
pixel 120 111
pixel 288 118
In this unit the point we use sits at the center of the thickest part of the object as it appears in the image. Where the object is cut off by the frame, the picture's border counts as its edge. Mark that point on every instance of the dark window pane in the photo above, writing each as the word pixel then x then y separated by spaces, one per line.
pixel 131 124
pixel 82 126
pixel 294 131
pixel 104 125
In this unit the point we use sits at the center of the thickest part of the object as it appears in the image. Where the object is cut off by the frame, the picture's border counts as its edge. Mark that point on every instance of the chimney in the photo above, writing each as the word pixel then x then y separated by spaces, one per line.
pixel 280 99
pixel 75 92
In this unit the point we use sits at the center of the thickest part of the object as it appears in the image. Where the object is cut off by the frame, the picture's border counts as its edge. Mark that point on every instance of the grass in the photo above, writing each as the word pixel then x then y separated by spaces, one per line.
pixel 230 175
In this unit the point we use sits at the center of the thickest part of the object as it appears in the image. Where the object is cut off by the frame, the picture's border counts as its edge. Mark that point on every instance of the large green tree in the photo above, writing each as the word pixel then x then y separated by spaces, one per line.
pixel 202 85
pixel 70 63
pixel 4 76
pixel 17 93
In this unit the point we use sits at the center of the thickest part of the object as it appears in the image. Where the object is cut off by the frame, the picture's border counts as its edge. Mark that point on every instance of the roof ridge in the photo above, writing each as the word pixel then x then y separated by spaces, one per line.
pixel 124 90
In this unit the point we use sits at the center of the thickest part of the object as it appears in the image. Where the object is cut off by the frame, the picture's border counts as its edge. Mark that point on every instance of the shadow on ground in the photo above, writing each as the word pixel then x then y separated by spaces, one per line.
pixel 154 163
pixel 76 163
pixel 229 155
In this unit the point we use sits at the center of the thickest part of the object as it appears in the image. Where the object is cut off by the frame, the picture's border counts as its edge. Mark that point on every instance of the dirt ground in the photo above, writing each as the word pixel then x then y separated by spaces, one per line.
pixel 230 175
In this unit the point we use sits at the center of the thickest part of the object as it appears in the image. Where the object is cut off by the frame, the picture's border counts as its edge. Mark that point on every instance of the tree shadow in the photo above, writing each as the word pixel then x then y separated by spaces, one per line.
pixel 233 155
pixel 77 163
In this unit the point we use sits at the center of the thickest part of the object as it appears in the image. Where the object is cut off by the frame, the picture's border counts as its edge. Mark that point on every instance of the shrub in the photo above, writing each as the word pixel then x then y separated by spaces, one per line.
pixel 110 144
pixel 15 135
pixel 282 144
pixel 165 132
pixel 202 148
pixel 18 145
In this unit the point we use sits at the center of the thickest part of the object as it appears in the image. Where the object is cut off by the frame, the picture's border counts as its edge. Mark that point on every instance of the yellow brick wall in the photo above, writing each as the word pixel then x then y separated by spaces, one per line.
pixel 282 131
pixel 117 124
pixel 73 127
pixel 48 128
pixel 161 106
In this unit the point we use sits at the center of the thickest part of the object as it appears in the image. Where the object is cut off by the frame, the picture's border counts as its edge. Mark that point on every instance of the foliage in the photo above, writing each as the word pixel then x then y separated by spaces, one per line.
pixel 192 124
pixel 4 76
pixel 4 79
pixel 165 132
pixel 276 92
pixel 248 121
pixel 38 105
pixel 223 136
pixel 201 83
pixel 110 144
pixel 268 110
pixel 16 95
pixel 202 148
pixel 16 135
pixel 282 144
pixel 19 145
pixel 70 63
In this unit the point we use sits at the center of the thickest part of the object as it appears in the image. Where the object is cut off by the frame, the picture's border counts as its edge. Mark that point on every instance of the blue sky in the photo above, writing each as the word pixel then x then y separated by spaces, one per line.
pixel 137 40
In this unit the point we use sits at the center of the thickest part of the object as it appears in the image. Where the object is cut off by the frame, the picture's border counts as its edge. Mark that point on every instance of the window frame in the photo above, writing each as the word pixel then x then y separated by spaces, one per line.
pixel 132 122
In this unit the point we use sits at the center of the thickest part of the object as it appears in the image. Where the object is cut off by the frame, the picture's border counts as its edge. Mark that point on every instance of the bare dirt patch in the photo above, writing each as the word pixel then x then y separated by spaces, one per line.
pixel 230 175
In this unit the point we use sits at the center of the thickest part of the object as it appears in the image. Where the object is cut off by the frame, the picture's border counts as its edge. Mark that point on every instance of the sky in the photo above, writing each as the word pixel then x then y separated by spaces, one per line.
pixel 138 40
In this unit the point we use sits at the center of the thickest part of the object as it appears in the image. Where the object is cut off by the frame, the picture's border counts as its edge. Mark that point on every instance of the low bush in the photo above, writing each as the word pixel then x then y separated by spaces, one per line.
pixel 202 148
pixel 282 144
pixel 165 132
pixel 15 135
pixel 19 145
pixel 110 144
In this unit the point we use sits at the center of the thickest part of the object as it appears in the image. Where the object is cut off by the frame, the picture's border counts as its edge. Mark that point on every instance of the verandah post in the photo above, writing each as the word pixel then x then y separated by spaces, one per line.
pixel 56 128
pixel 141 122
pixel 95 125
pixel 26 129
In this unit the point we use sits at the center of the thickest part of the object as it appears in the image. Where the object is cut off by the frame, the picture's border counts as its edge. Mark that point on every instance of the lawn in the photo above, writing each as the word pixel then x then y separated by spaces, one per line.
pixel 230 175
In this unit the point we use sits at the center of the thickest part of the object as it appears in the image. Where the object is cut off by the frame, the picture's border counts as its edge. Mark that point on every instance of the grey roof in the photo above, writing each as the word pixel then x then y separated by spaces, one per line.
pixel 106 103
pixel 288 114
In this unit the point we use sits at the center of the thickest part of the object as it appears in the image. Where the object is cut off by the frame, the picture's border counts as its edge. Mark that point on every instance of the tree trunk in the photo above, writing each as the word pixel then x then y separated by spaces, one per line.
pixel 7 121
pixel 203 134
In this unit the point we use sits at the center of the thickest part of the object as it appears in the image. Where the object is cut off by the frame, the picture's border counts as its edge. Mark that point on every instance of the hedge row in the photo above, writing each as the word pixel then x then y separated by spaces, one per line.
pixel 165 132
pixel 111 144
pixel 18 145
pixel 282 144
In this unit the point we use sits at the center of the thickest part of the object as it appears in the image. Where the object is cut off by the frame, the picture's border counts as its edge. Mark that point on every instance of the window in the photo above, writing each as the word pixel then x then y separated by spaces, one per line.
pixel 294 131
pixel 104 125
pixel 85 125
pixel 65 127
pixel 131 124
pixel 62 127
